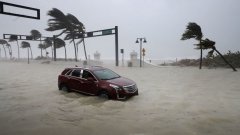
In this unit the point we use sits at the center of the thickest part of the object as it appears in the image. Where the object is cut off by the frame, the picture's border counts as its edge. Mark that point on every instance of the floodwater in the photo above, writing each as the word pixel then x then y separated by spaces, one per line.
pixel 171 101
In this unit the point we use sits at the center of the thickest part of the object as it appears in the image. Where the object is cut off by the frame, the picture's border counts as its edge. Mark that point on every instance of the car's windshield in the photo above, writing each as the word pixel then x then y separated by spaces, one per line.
pixel 106 74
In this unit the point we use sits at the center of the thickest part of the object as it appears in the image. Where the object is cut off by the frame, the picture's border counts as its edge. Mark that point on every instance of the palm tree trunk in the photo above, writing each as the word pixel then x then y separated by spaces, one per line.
pixel 41 48
pixel 85 52
pixel 28 55
pixel 234 69
pixel 5 51
pixel 75 50
pixel 52 51
pixel 18 50
pixel 31 53
pixel 10 52
pixel 200 64
pixel 41 53
pixel 65 53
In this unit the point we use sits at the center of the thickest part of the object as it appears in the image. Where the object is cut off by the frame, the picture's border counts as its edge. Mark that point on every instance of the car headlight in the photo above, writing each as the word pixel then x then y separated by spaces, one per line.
pixel 115 87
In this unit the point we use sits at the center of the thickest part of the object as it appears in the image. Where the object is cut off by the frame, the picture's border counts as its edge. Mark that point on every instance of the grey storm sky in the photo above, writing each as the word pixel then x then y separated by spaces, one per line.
pixel 162 22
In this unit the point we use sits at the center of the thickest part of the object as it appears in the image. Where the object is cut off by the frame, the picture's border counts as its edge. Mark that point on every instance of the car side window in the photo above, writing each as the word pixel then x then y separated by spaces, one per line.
pixel 69 72
pixel 86 74
pixel 76 73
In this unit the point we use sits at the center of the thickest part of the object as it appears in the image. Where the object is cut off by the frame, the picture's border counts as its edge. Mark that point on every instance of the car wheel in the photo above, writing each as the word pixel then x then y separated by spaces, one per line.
pixel 64 88
pixel 104 95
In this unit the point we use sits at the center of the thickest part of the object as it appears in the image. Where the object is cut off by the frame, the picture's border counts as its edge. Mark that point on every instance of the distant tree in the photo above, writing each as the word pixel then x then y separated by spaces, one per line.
pixel 59 43
pixel 15 38
pixel 41 46
pixel 37 35
pixel 79 30
pixel 208 44
pixel 27 45
pixel 193 30
pixel 48 42
pixel 68 24
pixel 3 42
pixel 10 50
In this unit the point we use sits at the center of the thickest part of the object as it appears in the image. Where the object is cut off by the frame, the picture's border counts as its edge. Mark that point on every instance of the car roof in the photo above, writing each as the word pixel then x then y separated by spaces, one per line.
pixel 91 68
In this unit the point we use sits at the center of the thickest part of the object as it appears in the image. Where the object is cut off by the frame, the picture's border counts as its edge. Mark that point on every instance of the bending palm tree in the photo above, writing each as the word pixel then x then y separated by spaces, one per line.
pixel 69 25
pixel 10 50
pixel 2 42
pixel 208 44
pixel 48 42
pixel 37 35
pixel 25 44
pixel 79 30
pixel 193 30
pixel 41 46
pixel 60 43
pixel 15 38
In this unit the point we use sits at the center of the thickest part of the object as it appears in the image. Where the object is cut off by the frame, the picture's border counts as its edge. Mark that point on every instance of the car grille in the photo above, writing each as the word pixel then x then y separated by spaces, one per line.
pixel 130 88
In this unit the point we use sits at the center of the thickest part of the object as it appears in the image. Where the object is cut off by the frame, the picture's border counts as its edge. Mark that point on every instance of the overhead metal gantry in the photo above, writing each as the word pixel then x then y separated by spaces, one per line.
pixel 104 32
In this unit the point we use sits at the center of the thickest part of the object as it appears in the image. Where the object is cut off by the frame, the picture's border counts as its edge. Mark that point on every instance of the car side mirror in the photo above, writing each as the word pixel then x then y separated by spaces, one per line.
pixel 90 79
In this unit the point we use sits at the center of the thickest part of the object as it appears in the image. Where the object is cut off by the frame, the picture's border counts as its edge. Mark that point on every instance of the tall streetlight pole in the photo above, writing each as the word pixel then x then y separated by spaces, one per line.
pixel 144 41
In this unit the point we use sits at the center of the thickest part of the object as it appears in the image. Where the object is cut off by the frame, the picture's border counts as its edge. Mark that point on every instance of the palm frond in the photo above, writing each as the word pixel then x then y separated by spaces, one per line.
pixel 59 43
pixel 35 34
pixel 25 44
pixel 2 41
pixel 13 38
pixel 193 30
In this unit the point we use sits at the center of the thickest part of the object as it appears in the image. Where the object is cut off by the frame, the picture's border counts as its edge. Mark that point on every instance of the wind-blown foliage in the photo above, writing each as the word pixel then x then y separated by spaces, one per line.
pixel 41 47
pixel 3 42
pixel 9 50
pixel 193 30
pixel 15 38
pixel 48 42
pixel 37 35
pixel 25 44
pixel 211 61
pixel 68 24
pixel 208 44
pixel 59 43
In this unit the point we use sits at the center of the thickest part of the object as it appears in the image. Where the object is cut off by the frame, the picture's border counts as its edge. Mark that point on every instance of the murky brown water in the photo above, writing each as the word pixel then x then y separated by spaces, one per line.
pixel 172 100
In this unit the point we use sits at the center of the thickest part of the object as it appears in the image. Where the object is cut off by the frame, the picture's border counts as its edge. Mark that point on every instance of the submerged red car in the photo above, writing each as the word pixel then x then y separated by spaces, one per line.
pixel 97 81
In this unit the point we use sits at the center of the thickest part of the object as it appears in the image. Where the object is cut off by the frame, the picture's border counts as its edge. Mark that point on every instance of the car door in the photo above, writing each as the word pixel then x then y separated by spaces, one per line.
pixel 75 81
pixel 89 86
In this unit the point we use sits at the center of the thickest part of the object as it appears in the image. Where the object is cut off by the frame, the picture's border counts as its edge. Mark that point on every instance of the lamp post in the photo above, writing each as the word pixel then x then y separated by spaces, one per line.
pixel 144 41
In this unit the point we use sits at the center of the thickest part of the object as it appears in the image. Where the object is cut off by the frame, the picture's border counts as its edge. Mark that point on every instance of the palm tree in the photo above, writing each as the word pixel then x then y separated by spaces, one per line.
pixel 208 44
pixel 48 42
pixel 69 25
pixel 25 44
pixel 2 42
pixel 15 38
pixel 60 43
pixel 41 46
pixel 193 30
pixel 37 35
pixel 10 50
pixel 79 30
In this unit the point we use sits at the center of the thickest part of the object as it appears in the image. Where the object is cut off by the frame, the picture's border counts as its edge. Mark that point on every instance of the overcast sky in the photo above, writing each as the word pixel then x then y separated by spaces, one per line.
pixel 161 22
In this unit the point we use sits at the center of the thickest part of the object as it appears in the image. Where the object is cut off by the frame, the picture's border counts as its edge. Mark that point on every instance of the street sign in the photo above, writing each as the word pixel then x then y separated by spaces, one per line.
pixel 107 32
pixel 19 10
pixel 90 34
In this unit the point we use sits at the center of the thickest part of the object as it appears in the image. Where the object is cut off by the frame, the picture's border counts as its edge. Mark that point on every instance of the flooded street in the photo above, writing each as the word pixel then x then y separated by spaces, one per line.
pixel 171 101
